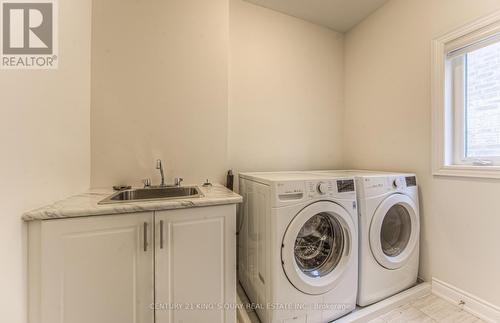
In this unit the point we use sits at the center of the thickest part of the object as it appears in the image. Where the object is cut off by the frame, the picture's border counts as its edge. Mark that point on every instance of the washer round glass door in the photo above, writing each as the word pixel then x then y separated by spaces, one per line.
pixel 394 231
pixel 317 247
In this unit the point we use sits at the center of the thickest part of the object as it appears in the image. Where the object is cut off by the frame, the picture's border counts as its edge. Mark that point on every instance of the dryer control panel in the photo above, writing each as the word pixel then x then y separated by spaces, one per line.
pixel 378 185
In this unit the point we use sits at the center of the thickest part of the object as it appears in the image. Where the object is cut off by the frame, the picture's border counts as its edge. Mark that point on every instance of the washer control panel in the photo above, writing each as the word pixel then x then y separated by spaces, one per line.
pixel 291 192
pixel 329 188
pixel 319 188
pixel 345 185
pixel 322 188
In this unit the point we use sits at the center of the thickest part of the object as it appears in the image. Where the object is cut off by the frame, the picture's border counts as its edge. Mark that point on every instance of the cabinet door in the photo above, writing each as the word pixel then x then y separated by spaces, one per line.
pixel 96 269
pixel 196 265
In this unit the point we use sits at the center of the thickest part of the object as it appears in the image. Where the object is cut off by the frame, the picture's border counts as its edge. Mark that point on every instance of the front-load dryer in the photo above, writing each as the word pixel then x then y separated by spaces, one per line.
pixel 298 246
pixel 389 230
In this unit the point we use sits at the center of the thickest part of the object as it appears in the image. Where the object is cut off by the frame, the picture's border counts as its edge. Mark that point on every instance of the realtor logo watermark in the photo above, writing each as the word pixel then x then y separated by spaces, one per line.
pixel 29 34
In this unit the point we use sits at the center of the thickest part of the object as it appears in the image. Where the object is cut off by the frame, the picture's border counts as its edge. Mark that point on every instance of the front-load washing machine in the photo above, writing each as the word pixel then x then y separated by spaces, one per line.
pixel 298 246
pixel 389 230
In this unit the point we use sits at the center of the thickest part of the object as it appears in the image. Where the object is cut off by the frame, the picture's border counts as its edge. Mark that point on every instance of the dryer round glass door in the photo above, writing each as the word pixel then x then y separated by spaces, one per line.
pixel 318 246
pixel 394 231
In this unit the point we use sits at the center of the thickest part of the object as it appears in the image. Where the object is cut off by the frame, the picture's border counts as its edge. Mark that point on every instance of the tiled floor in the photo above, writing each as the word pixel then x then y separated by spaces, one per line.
pixel 426 309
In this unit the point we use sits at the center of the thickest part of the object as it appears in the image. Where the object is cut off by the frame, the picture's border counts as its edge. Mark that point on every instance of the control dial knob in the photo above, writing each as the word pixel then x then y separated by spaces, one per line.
pixel 322 188
pixel 395 183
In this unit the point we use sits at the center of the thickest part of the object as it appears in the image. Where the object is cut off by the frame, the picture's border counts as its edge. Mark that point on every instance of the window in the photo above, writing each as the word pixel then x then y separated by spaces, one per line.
pixel 476 93
pixel 466 100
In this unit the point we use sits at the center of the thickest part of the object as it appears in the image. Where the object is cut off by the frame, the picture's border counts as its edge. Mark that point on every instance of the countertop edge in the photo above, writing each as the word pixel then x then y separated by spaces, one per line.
pixel 86 204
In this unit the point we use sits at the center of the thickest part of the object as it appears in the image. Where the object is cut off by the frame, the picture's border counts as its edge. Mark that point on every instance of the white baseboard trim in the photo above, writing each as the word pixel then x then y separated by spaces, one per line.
pixel 365 314
pixel 470 303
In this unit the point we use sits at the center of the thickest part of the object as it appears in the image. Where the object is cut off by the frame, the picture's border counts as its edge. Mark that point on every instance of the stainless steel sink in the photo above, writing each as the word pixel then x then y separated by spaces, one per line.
pixel 153 194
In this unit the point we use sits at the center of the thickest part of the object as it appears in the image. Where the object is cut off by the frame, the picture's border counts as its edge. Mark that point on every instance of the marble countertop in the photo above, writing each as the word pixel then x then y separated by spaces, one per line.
pixel 86 204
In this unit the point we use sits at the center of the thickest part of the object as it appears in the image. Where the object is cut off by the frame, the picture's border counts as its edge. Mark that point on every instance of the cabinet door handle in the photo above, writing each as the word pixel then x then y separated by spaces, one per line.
pixel 161 234
pixel 145 235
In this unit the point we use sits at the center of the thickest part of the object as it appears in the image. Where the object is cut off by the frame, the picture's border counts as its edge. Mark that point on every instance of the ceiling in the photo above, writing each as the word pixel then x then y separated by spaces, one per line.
pixel 339 15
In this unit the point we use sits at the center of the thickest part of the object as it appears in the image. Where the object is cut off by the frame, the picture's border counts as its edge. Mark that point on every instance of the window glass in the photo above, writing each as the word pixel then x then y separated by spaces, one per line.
pixel 482 98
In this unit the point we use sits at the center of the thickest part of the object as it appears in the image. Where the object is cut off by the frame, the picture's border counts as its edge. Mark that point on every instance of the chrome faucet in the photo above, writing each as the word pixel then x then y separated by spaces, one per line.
pixel 178 181
pixel 160 167
pixel 147 182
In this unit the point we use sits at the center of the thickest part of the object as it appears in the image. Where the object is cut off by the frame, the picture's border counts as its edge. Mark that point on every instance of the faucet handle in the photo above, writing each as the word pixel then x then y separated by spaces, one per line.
pixel 146 182
pixel 158 164
pixel 178 181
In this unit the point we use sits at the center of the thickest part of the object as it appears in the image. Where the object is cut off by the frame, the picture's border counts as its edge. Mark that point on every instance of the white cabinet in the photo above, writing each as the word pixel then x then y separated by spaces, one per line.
pixel 92 269
pixel 118 268
pixel 196 265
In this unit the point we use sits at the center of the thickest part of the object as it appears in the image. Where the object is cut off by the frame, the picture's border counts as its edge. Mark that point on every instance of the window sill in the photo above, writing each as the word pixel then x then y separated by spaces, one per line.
pixel 468 171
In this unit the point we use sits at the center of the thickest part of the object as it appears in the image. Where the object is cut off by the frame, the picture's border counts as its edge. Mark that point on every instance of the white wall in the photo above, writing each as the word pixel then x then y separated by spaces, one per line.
pixel 161 88
pixel 45 140
pixel 388 118
pixel 286 92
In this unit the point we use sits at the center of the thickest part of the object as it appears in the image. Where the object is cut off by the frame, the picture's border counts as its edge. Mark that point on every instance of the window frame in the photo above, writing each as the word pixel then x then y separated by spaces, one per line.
pixel 448 154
